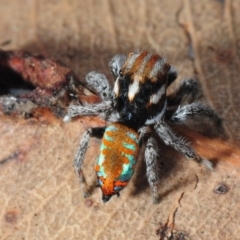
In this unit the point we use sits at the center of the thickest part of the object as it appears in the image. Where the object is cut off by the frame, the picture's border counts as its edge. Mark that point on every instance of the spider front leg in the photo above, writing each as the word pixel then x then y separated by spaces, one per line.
pixel 179 144
pixel 103 108
pixel 188 90
pixel 99 83
pixel 172 75
pixel 79 157
pixel 116 64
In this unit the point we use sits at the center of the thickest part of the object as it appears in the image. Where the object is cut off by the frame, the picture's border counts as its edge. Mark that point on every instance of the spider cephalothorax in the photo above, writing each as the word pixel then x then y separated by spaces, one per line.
pixel 135 108
pixel 140 88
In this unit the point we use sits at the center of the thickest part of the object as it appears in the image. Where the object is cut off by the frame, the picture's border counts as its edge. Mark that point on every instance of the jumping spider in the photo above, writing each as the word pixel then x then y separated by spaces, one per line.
pixel 135 108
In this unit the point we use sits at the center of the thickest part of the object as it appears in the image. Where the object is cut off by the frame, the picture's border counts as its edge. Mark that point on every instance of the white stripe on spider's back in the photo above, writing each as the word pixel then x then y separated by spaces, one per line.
pixel 133 89
pixel 154 99
pixel 116 87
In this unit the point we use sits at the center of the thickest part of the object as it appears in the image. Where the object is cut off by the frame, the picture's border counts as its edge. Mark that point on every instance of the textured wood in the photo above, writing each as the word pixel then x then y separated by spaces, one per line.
pixel 40 195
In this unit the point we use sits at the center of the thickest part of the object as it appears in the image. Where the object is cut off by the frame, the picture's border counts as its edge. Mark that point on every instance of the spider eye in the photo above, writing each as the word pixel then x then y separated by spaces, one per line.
pixel 120 73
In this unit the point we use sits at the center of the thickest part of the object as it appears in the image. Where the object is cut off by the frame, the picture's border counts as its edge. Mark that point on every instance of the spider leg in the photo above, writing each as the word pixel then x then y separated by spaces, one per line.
pixel 79 157
pixel 186 112
pixel 151 158
pixel 88 110
pixel 172 75
pixel 144 131
pixel 98 83
pixel 188 90
pixel 116 64
pixel 158 117
pixel 179 144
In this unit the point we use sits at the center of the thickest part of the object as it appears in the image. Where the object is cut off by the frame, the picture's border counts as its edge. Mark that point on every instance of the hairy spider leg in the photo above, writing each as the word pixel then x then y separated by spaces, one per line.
pixel 117 63
pixel 188 88
pixel 172 75
pixel 179 144
pixel 151 158
pixel 99 83
pixel 195 109
pixel 79 157
pixel 87 109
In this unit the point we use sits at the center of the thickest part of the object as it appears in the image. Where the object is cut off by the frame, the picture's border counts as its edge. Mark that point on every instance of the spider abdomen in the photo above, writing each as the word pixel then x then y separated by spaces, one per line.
pixel 118 156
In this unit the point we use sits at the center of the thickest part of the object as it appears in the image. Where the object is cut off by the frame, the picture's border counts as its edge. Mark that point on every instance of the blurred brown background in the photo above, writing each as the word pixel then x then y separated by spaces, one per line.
pixel 40 195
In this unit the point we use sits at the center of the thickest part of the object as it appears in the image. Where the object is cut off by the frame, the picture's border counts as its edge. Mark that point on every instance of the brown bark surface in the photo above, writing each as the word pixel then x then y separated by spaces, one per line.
pixel 40 195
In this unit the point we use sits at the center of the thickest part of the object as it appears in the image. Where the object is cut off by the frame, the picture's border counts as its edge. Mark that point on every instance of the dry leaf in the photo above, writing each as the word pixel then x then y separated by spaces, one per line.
pixel 40 193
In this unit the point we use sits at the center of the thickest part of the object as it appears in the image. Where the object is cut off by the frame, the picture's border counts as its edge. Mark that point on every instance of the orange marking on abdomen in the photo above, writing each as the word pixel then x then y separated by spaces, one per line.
pixel 119 183
pixel 123 139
